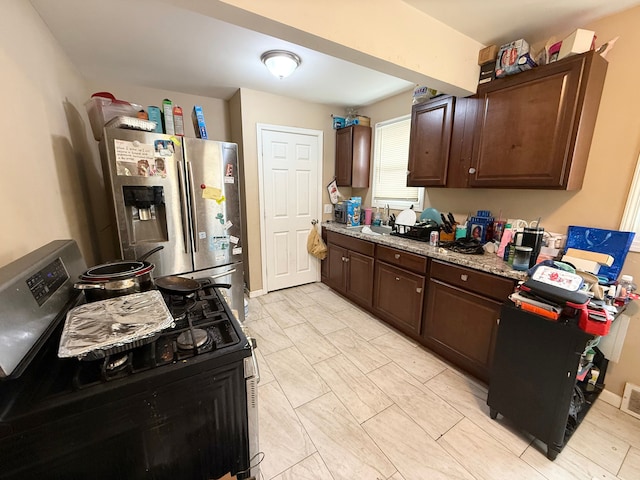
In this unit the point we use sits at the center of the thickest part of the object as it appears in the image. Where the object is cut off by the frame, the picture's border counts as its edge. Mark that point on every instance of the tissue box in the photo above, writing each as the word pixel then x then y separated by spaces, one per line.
pixel 579 41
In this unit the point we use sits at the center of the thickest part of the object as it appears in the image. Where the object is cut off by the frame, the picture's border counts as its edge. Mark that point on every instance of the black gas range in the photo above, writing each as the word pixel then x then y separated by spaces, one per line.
pixel 175 406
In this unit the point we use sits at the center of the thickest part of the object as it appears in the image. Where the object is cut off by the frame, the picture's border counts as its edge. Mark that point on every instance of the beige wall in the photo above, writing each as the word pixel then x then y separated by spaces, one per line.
pixel 258 107
pixel 216 111
pixel 47 153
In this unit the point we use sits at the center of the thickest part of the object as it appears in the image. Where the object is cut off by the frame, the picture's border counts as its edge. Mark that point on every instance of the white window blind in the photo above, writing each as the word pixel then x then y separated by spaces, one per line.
pixel 390 160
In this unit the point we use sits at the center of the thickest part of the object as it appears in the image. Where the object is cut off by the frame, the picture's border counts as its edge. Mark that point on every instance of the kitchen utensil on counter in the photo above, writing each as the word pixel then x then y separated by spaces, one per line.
pixel 405 220
pixel 431 214
pixel 446 226
pixel 522 258
pixel 118 278
pixel 530 237
pixel 176 285
pixel 94 330
pixel 451 218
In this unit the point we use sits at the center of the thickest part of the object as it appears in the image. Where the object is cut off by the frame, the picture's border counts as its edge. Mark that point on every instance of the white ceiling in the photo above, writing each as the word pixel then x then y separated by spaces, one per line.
pixel 156 45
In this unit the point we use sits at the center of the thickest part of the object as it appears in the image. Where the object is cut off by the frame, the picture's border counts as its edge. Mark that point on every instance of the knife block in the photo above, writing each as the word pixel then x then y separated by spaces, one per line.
pixel 448 237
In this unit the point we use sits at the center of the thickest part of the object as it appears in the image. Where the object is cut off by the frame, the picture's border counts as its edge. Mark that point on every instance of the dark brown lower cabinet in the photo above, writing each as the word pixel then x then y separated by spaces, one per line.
pixel 398 297
pixel 348 271
pixel 452 310
pixel 359 278
pixel 461 315
pixel 461 326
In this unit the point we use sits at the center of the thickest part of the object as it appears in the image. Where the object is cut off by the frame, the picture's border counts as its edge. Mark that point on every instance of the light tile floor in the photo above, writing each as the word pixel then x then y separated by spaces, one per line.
pixel 344 396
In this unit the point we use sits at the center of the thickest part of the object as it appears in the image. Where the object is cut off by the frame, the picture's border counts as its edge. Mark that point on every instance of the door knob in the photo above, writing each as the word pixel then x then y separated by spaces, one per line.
pixel 418 290
pixel 397 256
pixel 464 278
pixel 472 170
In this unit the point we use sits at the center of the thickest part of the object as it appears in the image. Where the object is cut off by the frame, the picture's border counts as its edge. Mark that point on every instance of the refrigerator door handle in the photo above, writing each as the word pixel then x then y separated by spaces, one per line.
pixel 183 206
pixel 194 214
pixel 223 274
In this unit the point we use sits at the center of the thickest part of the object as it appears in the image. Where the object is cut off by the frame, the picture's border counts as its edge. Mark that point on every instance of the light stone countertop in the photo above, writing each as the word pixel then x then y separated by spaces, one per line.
pixel 488 262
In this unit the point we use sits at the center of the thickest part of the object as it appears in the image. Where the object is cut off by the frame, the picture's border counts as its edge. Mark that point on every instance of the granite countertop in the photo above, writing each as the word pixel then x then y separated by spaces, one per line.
pixel 489 262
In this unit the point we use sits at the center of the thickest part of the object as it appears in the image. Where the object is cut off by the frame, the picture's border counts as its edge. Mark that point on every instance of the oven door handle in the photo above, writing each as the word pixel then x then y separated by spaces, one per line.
pixel 254 359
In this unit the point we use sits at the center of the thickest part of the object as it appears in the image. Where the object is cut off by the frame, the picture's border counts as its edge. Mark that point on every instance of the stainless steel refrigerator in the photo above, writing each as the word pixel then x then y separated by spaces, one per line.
pixel 179 193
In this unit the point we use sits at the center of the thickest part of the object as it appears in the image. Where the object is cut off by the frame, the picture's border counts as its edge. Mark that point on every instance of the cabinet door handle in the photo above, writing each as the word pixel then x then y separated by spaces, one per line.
pixel 497 321
pixel 346 259
pixel 397 256
pixel 472 170
pixel 397 279
pixel 464 277
pixel 418 290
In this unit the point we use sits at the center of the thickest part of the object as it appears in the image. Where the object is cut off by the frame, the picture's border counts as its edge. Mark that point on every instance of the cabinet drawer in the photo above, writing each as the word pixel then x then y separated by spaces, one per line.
pixel 403 259
pixel 471 280
pixel 351 243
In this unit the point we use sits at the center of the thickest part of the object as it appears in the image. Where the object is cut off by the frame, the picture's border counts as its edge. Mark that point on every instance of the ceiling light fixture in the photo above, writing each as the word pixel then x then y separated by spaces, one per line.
pixel 280 62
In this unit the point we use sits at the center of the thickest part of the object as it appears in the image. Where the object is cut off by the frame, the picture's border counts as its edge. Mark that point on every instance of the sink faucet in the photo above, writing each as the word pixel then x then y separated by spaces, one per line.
pixel 386 214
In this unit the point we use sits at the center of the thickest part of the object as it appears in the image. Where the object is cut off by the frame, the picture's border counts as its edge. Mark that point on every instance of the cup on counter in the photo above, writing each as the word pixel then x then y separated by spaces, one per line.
pixel 522 257
pixel 367 216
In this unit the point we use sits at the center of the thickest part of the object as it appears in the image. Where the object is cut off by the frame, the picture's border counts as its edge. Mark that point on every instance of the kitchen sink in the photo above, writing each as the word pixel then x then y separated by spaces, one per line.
pixel 379 229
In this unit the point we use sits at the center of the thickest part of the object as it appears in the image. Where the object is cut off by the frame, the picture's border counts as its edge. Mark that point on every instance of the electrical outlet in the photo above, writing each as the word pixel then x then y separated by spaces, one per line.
pixel 328 208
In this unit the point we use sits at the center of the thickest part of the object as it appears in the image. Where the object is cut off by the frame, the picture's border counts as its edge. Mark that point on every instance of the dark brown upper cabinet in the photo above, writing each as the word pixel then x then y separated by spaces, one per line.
pixel 353 153
pixel 534 129
pixel 441 142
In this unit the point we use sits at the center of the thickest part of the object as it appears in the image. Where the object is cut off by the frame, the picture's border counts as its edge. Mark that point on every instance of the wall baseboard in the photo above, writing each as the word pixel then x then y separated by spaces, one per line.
pixel 611 398
pixel 256 293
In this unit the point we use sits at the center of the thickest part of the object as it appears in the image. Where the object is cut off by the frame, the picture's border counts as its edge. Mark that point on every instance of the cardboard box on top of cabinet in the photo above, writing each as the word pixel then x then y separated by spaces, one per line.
pixel 487 54
pixel 579 41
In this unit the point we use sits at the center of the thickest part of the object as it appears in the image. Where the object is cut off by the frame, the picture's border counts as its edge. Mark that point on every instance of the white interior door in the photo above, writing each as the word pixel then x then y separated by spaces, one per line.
pixel 291 199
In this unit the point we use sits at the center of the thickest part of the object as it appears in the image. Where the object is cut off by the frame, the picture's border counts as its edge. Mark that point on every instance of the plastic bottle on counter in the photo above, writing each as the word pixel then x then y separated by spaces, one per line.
pixel 624 289
pixel 377 220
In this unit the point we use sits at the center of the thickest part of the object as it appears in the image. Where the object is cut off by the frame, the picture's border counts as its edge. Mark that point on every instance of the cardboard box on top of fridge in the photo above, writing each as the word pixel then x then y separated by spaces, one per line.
pixel 579 41
pixel 199 124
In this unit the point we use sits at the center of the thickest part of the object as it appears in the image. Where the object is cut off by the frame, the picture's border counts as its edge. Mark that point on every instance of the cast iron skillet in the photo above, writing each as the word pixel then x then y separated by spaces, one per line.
pixel 175 285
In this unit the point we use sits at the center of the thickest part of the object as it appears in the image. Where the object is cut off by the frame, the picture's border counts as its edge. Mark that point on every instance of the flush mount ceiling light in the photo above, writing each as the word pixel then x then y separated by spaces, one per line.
pixel 280 62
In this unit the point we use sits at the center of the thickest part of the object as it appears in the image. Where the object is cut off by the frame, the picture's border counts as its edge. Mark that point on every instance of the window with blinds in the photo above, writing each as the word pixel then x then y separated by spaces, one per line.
pixel 390 160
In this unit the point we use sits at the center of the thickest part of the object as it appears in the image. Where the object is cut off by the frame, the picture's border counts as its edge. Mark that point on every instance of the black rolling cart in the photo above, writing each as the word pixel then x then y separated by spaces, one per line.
pixel 533 376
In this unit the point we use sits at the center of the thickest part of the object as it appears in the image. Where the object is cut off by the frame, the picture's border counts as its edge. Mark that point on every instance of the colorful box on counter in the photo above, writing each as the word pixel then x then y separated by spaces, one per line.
pixel 353 211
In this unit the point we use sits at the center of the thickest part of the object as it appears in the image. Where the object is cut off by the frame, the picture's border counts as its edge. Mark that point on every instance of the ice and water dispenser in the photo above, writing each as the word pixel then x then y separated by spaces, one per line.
pixel 145 213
